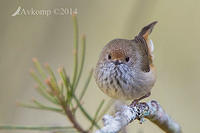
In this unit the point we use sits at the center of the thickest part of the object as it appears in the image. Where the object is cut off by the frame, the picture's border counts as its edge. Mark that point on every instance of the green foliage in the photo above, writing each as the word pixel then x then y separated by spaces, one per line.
pixel 62 92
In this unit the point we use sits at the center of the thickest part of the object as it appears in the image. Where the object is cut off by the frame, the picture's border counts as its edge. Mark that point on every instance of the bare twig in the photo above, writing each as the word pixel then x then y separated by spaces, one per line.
pixel 150 110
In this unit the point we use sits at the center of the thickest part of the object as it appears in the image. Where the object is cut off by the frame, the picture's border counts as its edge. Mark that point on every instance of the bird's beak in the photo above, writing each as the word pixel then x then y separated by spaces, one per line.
pixel 117 62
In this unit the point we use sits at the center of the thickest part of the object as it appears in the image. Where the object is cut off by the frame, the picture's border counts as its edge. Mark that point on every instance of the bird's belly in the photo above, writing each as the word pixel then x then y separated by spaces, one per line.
pixel 126 91
pixel 129 86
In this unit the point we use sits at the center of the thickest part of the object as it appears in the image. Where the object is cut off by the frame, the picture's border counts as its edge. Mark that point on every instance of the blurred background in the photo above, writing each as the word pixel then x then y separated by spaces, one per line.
pixel 50 39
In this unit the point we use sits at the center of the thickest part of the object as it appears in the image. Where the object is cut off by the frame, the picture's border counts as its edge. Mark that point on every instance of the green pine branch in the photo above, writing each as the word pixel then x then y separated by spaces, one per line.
pixel 62 92
pixel 37 128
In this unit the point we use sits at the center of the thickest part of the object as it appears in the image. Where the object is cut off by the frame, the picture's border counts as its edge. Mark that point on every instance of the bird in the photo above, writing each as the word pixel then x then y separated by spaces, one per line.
pixel 125 69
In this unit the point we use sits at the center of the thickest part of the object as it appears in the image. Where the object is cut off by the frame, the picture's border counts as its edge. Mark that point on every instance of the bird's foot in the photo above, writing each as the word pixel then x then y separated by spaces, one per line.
pixel 136 101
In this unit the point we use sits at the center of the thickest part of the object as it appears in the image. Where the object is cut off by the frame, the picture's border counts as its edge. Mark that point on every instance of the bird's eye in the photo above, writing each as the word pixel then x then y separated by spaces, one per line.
pixel 109 56
pixel 127 59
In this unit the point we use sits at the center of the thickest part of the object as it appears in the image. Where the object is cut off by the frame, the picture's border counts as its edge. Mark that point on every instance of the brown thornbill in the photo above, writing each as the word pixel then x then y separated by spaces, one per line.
pixel 125 67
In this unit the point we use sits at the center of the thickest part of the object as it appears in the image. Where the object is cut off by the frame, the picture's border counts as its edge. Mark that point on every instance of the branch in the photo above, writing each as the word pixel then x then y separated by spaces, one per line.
pixel 150 110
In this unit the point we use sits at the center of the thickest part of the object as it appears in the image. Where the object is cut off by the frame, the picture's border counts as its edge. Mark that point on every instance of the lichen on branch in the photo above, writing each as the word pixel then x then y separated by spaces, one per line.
pixel 151 110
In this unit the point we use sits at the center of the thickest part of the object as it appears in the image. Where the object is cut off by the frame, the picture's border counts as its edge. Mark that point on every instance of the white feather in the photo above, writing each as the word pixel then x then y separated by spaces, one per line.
pixel 151 45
